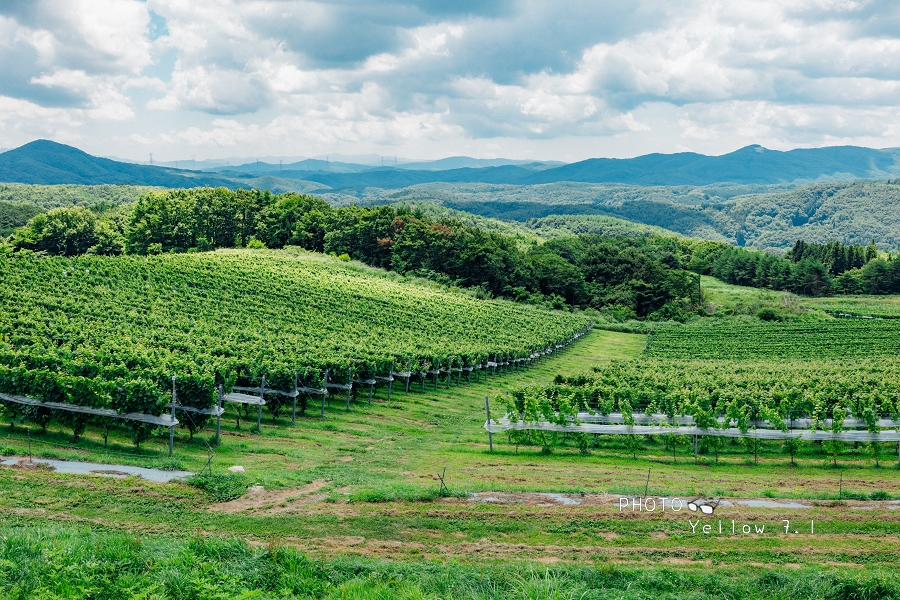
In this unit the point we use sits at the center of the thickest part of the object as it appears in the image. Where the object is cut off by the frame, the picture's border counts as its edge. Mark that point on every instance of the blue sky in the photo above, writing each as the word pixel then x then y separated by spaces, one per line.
pixel 563 80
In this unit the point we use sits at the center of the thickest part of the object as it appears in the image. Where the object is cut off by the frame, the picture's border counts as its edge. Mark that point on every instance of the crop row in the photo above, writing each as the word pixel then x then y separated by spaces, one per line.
pixel 741 392
pixel 87 330
pixel 749 340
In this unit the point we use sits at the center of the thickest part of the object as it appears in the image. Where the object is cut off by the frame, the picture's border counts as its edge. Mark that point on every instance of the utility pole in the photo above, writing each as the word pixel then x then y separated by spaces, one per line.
pixel 151 158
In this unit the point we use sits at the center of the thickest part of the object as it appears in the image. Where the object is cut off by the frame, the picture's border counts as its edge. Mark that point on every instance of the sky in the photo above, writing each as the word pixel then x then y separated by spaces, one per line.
pixel 550 80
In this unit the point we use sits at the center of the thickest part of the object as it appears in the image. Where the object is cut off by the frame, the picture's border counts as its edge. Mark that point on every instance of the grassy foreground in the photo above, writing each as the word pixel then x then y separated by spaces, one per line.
pixel 51 562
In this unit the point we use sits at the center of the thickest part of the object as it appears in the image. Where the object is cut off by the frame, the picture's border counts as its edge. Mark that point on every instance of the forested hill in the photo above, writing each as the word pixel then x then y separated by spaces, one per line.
pixel 752 216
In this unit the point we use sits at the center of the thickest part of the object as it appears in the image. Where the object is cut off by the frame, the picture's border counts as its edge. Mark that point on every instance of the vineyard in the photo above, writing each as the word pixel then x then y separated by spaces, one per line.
pixel 109 333
pixel 751 339
pixel 833 381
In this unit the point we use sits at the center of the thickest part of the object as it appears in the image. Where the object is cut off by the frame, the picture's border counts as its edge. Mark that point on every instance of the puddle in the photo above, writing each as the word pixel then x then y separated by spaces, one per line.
pixel 541 498
pixel 117 471
pixel 770 504
pixel 562 499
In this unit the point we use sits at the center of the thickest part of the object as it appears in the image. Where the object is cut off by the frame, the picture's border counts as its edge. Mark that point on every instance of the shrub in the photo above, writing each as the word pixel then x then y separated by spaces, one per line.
pixel 220 487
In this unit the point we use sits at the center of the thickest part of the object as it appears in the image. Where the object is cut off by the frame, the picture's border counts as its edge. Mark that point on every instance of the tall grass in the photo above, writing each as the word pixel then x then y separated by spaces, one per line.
pixel 75 562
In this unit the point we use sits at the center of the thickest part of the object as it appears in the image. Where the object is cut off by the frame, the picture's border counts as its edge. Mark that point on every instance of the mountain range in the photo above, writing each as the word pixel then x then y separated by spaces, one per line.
pixel 47 162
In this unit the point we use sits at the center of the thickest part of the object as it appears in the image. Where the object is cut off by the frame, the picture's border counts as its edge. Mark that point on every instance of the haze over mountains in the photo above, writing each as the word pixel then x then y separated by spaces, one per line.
pixel 47 162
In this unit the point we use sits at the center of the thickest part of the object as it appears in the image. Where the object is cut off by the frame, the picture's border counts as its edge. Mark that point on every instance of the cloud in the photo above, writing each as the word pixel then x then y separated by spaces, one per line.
pixel 638 74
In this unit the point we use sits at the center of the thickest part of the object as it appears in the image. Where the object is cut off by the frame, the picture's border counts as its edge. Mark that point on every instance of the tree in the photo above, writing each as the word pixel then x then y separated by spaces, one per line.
pixel 61 231
pixel 792 445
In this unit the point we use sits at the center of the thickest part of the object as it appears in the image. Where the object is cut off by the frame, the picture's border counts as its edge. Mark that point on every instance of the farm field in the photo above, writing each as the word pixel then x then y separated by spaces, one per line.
pixel 352 504
pixel 750 338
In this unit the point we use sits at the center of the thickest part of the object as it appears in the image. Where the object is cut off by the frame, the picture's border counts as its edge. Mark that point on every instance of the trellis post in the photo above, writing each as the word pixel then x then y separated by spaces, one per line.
pixel 324 392
pixel 294 405
pixel 487 410
pixel 408 370
pixel 350 388
pixel 390 384
pixel 262 398
pixel 219 414
pixel 172 427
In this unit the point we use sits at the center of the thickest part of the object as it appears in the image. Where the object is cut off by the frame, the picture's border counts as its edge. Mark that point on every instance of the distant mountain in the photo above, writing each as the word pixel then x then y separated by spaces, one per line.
pixel 750 165
pixel 303 167
pixel 466 162
pixel 310 164
pixel 46 162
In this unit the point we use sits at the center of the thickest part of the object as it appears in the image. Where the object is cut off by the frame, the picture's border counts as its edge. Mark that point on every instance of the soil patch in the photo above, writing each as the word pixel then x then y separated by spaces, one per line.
pixel 259 500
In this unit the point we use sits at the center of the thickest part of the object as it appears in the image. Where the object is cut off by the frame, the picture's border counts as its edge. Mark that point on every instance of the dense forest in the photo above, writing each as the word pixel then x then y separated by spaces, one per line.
pixel 768 218
pixel 649 276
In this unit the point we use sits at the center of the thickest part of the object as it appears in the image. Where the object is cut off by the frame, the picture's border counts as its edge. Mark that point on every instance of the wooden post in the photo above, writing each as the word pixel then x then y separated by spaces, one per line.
pixel 487 410
pixel 390 382
pixel 408 370
pixel 172 427
pixel 219 414
pixel 350 389
pixel 324 392
pixel 262 398
pixel 294 406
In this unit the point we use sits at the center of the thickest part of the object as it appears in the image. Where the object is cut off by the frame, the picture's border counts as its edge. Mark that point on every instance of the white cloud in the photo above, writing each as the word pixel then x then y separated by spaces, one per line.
pixel 446 78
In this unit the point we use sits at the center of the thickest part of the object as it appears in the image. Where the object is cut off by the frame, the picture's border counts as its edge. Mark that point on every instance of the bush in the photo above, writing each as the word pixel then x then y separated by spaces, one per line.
pixel 768 314
pixel 220 487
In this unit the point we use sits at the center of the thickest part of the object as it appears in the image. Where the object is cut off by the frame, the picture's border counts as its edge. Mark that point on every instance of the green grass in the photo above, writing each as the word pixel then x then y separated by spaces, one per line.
pixel 74 562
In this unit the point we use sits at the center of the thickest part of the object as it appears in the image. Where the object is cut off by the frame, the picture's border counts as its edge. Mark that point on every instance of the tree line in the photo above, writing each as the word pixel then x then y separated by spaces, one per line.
pixel 645 277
